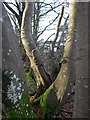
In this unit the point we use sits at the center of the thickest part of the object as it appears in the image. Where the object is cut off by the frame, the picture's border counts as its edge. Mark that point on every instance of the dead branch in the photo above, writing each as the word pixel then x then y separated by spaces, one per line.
pixel 57 30
pixel 62 36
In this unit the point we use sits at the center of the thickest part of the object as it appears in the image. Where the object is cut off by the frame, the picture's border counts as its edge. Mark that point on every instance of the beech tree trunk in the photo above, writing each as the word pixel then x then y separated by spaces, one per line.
pixel 81 90
pixel 67 73
pixel 31 48
pixel 11 59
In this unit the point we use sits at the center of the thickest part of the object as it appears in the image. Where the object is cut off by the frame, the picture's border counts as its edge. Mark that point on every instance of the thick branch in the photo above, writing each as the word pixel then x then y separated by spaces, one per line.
pixel 30 47
pixel 67 73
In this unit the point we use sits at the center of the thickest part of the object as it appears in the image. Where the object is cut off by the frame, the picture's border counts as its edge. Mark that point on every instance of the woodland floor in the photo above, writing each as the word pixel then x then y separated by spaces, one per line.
pixel 65 112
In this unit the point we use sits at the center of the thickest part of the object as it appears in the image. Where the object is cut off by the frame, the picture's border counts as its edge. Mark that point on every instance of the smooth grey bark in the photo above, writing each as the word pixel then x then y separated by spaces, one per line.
pixel 67 73
pixel 30 47
pixel 11 59
pixel 81 89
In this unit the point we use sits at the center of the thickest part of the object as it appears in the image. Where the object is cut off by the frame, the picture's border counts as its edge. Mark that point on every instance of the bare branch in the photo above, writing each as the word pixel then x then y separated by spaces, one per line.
pixel 47 27
pixel 6 4
pixel 62 36
pixel 31 49
pixel 57 30
pixel 20 13
pixel 49 10
pixel 36 21
pixel 47 40
pixel 12 4
pixel 52 8
pixel 13 11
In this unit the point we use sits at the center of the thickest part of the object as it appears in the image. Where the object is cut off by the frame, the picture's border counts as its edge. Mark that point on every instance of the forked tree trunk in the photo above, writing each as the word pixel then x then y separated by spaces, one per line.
pixel 81 90
pixel 67 72
pixel 31 48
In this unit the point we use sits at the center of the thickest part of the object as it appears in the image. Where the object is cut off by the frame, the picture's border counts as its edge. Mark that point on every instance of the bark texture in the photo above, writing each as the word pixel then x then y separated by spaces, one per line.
pixel 31 48
pixel 67 72
pixel 81 92
pixel 11 59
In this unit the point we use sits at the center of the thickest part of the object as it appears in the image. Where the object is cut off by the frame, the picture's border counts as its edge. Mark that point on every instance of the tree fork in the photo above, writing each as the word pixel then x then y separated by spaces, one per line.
pixel 30 47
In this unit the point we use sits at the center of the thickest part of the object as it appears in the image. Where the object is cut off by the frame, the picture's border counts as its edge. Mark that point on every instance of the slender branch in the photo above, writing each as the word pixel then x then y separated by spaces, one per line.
pixel 6 4
pixel 20 14
pixel 12 4
pixel 52 8
pixel 13 11
pixel 57 30
pixel 18 7
pixel 47 40
pixel 36 21
pixel 62 36
pixel 49 10
pixel 47 27
pixel 13 19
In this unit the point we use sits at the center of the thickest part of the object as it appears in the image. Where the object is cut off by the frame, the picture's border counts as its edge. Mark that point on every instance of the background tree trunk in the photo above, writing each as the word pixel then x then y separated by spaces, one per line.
pixel 81 90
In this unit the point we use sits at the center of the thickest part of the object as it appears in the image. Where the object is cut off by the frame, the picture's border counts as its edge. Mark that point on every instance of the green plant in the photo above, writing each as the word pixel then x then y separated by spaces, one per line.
pixel 45 108
pixel 29 76
pixel 22 108
pixel 43 105
pixel 15 106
